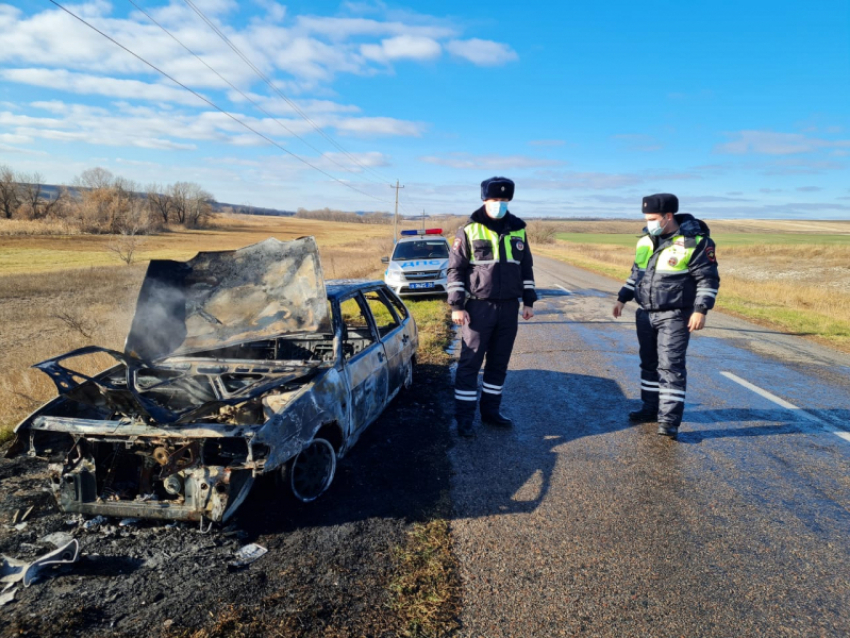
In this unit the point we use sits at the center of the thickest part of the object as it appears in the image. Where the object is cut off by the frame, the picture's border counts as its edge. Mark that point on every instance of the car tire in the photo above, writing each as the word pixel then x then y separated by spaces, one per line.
pixel 310 473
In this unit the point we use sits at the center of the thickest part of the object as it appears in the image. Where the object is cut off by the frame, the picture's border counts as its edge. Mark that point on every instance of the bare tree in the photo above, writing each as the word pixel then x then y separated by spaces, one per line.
pixel 199 206
pixel 51 207
pixel 95 178
pixel 179 193
pixel 30 190
pixel 125 246
pixel 10 198
pixel 159 202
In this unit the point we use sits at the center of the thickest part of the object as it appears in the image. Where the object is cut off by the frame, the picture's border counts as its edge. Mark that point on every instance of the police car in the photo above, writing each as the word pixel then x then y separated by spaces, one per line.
pixel 419 263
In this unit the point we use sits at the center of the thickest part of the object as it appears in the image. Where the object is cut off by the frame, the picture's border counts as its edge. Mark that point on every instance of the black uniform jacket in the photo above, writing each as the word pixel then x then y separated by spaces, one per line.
pixel 494 281
pixel 696 288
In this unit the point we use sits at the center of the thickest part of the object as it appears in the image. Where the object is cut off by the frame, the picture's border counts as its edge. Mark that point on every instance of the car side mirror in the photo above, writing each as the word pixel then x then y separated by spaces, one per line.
pixel 385 260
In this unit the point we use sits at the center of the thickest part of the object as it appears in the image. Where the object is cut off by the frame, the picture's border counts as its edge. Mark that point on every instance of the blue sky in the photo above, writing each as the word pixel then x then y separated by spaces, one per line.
pixel 741 108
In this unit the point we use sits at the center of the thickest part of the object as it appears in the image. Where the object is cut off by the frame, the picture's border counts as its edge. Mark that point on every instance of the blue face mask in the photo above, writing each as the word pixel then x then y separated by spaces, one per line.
pixel 496 210
pixel 655 228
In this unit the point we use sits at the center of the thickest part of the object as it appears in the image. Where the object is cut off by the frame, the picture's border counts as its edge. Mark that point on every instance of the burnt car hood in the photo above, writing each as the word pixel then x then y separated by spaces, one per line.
pixel 220 299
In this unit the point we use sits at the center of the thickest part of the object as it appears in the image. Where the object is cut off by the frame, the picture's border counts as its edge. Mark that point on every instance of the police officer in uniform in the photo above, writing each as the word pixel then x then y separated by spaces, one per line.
pixel 675 282
pixel 490 270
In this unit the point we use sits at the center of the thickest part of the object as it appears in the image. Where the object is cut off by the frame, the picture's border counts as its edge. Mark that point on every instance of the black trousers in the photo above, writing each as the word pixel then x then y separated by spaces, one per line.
pixel 663 337
pixel 491 332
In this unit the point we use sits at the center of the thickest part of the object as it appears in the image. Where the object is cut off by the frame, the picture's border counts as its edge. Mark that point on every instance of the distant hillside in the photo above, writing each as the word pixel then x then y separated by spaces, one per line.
pixel 220 207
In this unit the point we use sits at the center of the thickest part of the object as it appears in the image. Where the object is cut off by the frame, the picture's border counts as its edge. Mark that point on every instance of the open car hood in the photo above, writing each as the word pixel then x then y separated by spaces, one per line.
pixel 220 299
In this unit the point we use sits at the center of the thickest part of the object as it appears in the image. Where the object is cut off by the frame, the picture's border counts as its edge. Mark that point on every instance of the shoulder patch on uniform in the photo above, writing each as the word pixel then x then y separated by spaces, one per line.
pixel 456 245
pixel 709 252
pixel 520 245
pixel 672 261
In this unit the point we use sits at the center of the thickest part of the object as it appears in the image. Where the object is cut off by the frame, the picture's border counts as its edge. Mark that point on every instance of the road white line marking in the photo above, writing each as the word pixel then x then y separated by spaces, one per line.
pixel 564 289
pixel 789 406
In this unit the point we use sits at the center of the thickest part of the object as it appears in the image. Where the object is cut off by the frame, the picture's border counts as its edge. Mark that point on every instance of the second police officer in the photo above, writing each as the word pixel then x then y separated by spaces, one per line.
pixel 675 282
pixel 490 270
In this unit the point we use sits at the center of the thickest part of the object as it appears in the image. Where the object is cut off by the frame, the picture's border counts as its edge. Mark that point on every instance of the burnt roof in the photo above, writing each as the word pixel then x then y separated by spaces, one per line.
pixel 337 288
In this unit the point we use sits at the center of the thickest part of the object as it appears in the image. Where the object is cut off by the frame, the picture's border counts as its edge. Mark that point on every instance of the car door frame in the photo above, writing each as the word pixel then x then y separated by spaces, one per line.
pixel 365 373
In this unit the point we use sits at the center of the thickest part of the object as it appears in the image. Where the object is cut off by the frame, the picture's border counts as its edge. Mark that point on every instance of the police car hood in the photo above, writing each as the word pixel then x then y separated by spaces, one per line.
pixel 421 265
pixel 220 299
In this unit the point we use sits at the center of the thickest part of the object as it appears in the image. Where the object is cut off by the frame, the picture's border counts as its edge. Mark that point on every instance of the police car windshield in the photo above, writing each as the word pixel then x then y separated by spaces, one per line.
pixel 422 249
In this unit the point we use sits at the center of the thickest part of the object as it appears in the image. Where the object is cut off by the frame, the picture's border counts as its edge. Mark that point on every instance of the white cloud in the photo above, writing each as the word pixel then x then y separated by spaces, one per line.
pixel 489 162
pixel 379 126
pixel 275 12
pixel 402 47
pixel 482 52
pixel 86 84
pixel 772 143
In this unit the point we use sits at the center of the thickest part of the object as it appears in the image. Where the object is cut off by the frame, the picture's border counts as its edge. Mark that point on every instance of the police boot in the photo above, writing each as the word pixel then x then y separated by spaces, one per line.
pixel 669 430
pixel 464 416
pixel 490 414
pixel 647 414
pixel 464 428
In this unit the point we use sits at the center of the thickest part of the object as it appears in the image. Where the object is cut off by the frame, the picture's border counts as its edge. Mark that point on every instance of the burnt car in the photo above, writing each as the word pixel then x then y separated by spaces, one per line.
pixel 237 364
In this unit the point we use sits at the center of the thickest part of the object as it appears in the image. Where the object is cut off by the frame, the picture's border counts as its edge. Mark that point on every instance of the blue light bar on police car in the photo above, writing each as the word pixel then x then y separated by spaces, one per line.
pixel 430 231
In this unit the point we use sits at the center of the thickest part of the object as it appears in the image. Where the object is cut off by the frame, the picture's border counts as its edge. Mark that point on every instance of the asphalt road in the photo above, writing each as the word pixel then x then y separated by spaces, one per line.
pixel 577 523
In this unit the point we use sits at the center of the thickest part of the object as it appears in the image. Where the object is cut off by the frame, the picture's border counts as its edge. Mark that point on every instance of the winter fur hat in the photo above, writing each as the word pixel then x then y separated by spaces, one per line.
pixel 497 188
pixel 660 203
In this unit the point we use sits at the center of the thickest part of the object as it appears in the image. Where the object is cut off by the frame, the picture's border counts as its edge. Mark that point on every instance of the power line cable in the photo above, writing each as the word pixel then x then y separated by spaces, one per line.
pixel 238 90
pixel 213 104
pixel 274 88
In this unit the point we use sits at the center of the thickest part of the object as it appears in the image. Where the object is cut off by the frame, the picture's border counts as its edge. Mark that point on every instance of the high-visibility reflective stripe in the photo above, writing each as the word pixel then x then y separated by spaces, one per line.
pixel 528 281
pixel 672 398
pixel 480 231
pixel 648 388
pixel 630 281
pixel 671 392
pixel 528 286
pixel 629 287
pixel 454 286
pixel 489 391
pixel 491 386
pixel 465 398
pixel 706 289
pixel 645 382
pixel 467 392
pixel 713 295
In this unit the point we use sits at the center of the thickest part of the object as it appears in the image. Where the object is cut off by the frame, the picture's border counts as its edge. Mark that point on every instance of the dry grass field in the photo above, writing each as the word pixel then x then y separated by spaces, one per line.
pixel 58 293
pixel 791 275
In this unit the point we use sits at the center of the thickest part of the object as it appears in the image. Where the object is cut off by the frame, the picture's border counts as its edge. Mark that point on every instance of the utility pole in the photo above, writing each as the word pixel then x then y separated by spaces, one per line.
pixel 395 217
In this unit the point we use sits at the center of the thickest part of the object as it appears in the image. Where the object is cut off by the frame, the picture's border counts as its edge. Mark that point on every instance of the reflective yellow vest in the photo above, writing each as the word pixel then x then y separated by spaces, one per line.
pixel 673 259
pixel 479 231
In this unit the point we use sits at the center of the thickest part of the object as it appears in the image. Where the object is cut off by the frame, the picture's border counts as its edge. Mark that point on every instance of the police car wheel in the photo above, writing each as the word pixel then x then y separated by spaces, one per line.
pixel 310 473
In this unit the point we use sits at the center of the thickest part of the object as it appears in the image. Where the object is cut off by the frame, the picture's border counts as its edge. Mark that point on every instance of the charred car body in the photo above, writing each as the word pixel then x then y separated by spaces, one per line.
pixel 237 364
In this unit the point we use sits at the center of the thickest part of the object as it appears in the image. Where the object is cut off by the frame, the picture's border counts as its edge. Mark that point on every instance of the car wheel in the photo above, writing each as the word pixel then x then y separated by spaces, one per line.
pixel 310 473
